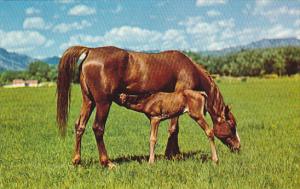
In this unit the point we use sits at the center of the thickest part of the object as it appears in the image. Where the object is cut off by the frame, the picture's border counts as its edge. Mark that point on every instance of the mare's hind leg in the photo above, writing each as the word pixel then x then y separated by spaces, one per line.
pixel 85 112
pixel 172 148
pixel 102 109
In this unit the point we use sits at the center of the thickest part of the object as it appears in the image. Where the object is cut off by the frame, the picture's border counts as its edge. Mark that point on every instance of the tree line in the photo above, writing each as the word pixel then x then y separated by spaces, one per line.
pixel 257 62
pixel 38 70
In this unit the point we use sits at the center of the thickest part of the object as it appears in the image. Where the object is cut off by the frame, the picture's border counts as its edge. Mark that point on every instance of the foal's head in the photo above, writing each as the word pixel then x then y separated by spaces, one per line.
pixel 225 130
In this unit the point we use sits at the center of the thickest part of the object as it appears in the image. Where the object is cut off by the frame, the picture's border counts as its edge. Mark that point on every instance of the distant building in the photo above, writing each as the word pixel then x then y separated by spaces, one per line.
pixel 23 83
pixel 18 83
pixel 31 83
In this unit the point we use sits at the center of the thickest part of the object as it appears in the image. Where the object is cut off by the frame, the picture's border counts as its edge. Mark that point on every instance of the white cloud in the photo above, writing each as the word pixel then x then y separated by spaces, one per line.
pixel 297 23
pixel 248 35
pixel 174 39
pixel 49 43
pixel 278 31
pixel 32 10
pixel 196 34
pixel 197 25
pixel 35 23
pixel 262 3
pixel 64 27
pixel 80 10
pixel 263 9
pixel 118 9
pixel 21 41
pixel 65 1
pixel 133 38
pixel 219 34
pixel 201 3
pixel 281 11
pixel 213 13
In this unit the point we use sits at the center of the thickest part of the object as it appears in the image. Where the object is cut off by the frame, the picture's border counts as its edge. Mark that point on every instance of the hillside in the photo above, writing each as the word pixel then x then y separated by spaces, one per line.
pixel 15 61
pixel 264 43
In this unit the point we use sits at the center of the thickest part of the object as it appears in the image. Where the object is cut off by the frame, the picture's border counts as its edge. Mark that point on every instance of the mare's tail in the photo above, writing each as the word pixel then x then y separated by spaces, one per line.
pixel 66 70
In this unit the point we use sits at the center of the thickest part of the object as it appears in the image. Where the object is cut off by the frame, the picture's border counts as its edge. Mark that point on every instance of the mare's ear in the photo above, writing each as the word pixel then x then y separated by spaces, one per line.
pixel 227 110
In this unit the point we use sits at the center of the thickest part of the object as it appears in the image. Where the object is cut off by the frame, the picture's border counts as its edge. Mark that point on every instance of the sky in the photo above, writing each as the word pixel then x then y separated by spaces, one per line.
pixel 47 28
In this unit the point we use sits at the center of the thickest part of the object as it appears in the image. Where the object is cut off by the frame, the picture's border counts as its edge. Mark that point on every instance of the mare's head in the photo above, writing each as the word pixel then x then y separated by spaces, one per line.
pixel 225 130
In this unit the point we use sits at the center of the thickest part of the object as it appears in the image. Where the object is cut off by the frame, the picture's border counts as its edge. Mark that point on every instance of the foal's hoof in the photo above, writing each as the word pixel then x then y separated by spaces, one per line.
pixel 110 165
pixel 151 161
pixel 76 160
pixel 215 161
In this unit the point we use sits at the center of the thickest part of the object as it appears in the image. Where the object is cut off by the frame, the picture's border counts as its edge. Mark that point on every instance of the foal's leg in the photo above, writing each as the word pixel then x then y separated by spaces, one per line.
pixel 85 112
pixel 172 148
pixel 210 134
pixel 102 109
pixel 196 108
pixel 153 138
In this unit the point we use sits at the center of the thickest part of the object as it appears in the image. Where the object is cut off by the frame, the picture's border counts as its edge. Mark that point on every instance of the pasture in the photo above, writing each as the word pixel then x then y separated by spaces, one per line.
pixel 32 155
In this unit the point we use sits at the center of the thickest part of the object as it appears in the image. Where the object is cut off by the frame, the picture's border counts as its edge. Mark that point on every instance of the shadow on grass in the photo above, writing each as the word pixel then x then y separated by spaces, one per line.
pixel 203 157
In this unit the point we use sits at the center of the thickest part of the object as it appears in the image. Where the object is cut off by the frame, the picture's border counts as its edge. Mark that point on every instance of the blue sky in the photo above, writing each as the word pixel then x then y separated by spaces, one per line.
pixel 47 28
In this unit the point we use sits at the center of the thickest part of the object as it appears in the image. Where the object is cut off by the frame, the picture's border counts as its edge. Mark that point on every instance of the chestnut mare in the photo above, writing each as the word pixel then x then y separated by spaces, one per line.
pixel 106 72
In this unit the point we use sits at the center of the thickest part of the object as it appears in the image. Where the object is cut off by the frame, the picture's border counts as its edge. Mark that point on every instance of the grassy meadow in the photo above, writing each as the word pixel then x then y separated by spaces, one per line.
pixel 32 155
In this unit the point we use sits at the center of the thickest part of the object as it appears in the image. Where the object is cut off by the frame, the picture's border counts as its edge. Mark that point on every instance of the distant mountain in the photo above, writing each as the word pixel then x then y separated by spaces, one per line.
pixel 51 60
pixel 13 61
pixel 264 43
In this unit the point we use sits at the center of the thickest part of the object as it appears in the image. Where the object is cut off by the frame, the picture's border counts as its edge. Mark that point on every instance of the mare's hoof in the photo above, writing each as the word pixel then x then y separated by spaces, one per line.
pixel 76 160
pixel 172 155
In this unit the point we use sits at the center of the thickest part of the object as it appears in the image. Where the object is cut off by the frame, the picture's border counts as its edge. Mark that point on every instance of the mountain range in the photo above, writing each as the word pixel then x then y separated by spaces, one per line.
pixel 264 43
pixel 15 61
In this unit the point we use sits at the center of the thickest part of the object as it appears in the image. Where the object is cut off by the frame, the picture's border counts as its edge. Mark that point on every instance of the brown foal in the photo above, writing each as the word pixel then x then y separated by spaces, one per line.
pixel 160 106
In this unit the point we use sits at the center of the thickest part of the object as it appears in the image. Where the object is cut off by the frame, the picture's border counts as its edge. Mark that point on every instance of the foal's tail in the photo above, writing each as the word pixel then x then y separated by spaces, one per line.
pixel 66 70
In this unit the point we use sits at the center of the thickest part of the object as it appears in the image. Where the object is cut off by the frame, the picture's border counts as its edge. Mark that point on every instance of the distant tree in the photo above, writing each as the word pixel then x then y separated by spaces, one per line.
pixel 52 74
pixel 39 70
pixel 7 76
pixel 292 60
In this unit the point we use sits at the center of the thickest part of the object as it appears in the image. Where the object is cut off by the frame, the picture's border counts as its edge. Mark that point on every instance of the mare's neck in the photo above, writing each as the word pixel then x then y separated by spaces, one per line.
pixel 215 102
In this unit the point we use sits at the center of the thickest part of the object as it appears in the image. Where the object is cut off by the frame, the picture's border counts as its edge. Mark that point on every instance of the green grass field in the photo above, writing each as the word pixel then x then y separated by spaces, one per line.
pixel 32 155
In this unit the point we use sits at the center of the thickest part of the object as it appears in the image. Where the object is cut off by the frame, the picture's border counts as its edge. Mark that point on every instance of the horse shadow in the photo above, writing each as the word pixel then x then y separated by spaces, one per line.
pixel 198 155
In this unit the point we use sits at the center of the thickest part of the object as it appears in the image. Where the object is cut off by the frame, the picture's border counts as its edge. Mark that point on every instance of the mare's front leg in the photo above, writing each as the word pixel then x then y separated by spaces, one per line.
pixel 85 112
pixel 172 148
pixel 102 109
pixel 153 138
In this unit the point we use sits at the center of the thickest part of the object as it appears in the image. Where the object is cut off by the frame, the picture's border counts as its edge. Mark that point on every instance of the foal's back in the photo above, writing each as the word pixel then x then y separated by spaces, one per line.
pixel 165 103
pixel 176 103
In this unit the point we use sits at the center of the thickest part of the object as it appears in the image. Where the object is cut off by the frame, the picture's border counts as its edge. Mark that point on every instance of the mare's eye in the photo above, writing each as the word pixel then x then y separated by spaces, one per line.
pixel 232 127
